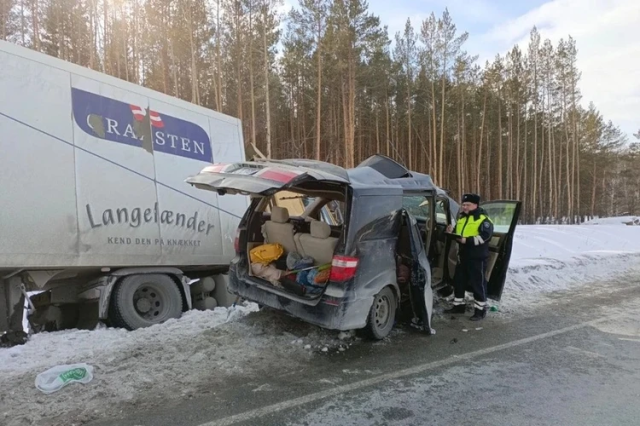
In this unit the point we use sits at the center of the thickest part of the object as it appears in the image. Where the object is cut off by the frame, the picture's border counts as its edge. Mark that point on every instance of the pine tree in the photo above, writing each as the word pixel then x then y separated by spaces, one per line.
pixel 514 128
pixel 449 47
pixel 406 54
pixel 355 28
pixel 8 20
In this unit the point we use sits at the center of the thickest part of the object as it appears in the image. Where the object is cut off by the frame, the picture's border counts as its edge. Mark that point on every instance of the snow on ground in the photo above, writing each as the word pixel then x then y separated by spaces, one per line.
pixel 178 359
pixel 619 220
pixel 183 358
pixel 548 258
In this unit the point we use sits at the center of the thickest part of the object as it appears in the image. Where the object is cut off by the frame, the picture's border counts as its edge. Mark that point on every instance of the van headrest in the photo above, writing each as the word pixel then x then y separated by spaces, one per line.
pixel 279 214
pixel 320 230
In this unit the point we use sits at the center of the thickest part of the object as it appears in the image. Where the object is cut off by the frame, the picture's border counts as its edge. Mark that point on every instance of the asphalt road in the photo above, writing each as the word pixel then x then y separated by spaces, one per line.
pixel 573 361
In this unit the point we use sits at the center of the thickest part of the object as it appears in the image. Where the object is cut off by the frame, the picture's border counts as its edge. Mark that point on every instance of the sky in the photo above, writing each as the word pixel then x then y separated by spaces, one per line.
pixel 606 34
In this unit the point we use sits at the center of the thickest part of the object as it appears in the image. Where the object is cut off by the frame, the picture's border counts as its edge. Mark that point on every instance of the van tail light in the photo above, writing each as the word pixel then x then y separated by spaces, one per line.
pixel 236 242
pixel 343 268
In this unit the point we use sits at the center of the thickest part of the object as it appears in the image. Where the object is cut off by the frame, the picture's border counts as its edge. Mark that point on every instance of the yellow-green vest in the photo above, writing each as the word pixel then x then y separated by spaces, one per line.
pixel 469 227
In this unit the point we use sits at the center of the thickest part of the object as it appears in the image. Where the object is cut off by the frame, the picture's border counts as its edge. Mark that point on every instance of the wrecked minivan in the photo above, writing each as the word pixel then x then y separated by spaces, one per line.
pixel 368 249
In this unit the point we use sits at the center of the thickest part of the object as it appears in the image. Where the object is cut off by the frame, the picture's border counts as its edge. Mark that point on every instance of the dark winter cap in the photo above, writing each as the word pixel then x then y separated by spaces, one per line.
pixel 471 198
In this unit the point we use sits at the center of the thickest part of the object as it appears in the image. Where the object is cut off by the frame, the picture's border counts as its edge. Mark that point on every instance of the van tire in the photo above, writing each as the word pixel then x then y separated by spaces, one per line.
pixel 144 300
pixel 382 315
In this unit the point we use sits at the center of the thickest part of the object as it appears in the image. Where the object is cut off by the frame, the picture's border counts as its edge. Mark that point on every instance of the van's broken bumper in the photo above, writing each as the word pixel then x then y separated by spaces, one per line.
pixel 334 311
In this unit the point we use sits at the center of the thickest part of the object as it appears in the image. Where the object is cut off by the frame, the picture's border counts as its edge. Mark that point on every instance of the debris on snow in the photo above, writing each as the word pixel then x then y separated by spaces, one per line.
pixel 140 367
pixel 346 335
pixel 59 376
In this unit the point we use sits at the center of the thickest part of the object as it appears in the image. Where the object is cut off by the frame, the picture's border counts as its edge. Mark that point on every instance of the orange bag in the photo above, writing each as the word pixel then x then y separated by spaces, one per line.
pixel 323 276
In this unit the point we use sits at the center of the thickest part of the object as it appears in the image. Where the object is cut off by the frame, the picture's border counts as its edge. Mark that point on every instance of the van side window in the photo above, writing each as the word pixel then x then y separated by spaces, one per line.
pixel 441 213
pixel 417 205
pixel 332 213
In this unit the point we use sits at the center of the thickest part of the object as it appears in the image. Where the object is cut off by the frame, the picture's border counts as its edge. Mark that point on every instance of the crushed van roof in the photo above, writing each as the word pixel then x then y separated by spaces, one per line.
pixel 375 172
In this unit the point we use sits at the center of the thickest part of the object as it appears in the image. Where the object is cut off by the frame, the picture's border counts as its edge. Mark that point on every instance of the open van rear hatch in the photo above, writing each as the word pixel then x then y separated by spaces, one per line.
pixel 265 177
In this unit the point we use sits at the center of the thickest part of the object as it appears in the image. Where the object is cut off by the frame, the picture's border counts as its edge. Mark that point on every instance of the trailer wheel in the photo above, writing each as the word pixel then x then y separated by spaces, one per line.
pixel 143 300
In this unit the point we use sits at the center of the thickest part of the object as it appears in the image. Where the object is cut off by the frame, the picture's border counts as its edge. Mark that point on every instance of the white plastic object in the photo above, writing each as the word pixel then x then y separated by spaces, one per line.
pixel 205 285
pixel 60 376
pixel 208 303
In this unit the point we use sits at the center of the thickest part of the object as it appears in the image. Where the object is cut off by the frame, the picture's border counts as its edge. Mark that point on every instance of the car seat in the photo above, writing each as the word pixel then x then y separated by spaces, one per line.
pixel 319 244
pixel 279 230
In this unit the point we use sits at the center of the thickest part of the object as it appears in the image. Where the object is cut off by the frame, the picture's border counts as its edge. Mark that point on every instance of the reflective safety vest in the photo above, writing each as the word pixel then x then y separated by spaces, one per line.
pixel 469 227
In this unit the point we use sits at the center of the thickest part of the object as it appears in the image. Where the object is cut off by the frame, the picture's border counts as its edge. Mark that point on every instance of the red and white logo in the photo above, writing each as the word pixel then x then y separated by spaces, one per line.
pixel 156 121
pixel 139 114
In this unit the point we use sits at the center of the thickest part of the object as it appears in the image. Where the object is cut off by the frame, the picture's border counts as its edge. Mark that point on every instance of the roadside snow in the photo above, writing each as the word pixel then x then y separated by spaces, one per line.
pixel 547 258
pixel 175 360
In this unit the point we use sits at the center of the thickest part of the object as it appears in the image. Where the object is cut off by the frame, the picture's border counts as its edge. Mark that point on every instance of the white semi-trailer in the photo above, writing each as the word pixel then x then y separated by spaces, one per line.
pixel 95 214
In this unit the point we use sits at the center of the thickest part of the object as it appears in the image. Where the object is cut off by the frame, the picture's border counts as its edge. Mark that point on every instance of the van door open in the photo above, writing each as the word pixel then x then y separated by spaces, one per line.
pixel 420 288
pixel 504 214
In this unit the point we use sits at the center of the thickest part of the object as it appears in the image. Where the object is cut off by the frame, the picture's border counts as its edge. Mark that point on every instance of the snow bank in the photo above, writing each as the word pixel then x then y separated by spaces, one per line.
pixel 175 360
pixel 620 220
pixel 548 258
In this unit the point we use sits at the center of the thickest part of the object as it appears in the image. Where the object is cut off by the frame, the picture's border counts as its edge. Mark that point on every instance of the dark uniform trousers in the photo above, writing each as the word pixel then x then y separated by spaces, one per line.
pixel 470 276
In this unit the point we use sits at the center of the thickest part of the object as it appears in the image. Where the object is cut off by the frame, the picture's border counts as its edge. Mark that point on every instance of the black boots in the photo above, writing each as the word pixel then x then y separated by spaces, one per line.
pixel 479 314
pixel 457 309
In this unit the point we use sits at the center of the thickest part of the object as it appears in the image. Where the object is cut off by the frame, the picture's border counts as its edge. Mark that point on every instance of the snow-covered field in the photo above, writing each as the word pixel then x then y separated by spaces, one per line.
pixel 548 258
pixel 181 358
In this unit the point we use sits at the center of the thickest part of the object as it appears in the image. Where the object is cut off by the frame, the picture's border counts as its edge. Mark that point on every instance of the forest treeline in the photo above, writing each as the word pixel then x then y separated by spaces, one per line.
pixel 328 81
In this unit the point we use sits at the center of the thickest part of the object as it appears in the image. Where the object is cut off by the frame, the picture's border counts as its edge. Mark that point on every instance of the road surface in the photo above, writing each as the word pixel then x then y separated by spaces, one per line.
pixel 574 360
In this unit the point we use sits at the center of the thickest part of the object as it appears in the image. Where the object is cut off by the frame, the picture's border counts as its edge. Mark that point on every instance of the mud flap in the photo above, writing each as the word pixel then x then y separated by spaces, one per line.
pixel 11 305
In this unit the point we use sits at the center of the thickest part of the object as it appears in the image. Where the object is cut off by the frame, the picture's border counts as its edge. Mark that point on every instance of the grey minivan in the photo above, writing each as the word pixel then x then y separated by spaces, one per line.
pixel 379 226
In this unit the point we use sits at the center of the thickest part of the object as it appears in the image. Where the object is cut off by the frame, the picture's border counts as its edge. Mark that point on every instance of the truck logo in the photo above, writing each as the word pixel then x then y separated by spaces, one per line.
pixel 140 115
pixel 139 126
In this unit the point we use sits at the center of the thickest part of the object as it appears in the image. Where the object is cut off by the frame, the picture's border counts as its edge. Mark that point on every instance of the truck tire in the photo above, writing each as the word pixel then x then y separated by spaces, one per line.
pixel 382 315
pixel 139 301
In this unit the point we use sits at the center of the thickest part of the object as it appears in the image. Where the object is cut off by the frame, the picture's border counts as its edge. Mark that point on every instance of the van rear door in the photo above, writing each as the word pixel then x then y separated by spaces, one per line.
pixel 265 177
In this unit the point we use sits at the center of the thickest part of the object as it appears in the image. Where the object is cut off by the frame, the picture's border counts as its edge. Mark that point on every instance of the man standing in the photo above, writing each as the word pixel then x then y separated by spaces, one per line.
pixel 475 230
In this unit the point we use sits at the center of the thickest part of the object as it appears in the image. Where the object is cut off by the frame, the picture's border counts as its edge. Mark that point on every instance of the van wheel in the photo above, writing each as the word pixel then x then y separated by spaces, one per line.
pixel 143 300
pixel 382 315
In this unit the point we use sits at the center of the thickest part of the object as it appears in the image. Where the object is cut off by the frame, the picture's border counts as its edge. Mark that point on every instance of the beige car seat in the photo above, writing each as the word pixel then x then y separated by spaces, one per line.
pixel 318 244
pixel 279 230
